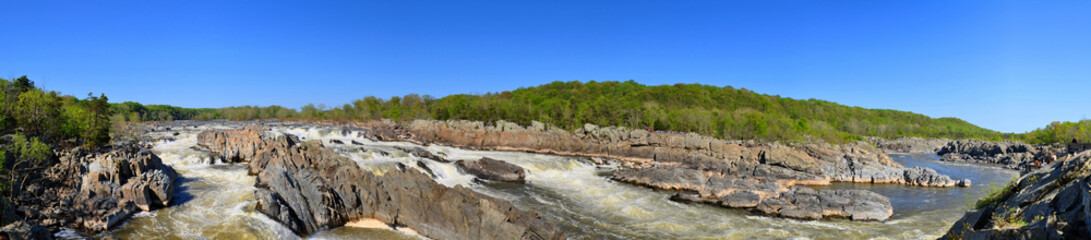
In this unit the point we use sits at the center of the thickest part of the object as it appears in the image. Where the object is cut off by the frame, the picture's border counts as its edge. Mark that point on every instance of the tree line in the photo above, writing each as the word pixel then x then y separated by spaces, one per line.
pixel 723 112
pixel 1058 132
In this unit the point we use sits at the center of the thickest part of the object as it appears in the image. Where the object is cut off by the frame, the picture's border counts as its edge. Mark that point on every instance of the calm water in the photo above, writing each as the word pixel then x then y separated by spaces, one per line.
pixel 216 199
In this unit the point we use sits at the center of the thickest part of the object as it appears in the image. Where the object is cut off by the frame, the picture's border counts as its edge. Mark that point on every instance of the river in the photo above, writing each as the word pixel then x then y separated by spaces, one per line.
pixel 214 200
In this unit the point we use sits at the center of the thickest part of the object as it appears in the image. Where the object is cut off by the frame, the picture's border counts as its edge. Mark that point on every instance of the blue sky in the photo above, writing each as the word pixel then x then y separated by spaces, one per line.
pixel 1006 66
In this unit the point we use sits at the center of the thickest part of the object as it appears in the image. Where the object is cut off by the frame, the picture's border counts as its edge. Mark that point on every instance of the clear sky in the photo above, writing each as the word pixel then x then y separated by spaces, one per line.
pixel 1006 66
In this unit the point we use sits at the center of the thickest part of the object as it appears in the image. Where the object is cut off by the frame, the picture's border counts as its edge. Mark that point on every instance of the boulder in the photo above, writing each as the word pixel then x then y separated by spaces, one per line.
pixel 492 169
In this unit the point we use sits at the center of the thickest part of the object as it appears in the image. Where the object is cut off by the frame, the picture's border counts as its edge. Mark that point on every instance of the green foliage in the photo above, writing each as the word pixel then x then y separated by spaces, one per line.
pixel 1060 132
pixel 996 193
pixel 56 119
pixel 135 112
pixel 5 185
pixel 723 112
pixel 29 155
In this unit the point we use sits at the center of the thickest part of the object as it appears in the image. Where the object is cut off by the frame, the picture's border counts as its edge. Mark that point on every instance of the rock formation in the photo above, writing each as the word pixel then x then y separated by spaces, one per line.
pixel 309 188
pixel 717 168
pixel 94 192
pixel 492 169
pixel 909 144
pixel 1053 202
pixel 1014 155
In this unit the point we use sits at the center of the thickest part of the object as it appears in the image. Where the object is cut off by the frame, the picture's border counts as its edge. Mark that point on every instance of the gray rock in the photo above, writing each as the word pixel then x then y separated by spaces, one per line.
pixel 492 169
pixel 964 183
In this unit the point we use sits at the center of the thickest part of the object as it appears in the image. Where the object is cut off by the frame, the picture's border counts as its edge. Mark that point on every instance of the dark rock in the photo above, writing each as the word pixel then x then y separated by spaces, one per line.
pixel 1014 155
pixel 492 169
pixel 909 144
pixel 335 141
pixel 964 183
pixel 926 177
pixel 423 153
pixel 1053 202
pixel 21 230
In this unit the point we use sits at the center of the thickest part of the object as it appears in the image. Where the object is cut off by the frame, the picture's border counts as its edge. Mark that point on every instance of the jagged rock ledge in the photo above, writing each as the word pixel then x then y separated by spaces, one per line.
pixel 1053 202
pixel 309 188
pixel 94 191
pixel 724 167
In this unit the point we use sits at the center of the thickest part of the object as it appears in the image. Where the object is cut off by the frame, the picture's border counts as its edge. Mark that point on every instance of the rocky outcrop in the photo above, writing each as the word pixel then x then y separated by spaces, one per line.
pixel 761 194
pixel 1014 155
pixel 309 188
pixel 492 169
pixel 909 144
pixel 122 182
pixel 1053 202
pixel 710 169
pixel 234 145
pixel 806 203
pixel 94 192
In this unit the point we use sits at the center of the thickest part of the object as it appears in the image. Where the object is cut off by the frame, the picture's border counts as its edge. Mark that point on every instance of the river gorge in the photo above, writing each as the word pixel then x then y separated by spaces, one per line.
pixel 215 199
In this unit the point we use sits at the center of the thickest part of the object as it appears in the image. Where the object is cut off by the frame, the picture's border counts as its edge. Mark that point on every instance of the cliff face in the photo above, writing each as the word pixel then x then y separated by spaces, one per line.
pixel 1053 202
pixel 713 171
pixel 309 188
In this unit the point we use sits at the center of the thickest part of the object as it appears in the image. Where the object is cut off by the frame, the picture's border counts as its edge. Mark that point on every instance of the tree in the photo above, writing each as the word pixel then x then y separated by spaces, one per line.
pixel 23 84
pixel 37 111
pixel 30 156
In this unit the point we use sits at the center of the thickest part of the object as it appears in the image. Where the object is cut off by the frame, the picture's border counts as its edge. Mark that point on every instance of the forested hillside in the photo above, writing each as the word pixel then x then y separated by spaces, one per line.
pixel 723 112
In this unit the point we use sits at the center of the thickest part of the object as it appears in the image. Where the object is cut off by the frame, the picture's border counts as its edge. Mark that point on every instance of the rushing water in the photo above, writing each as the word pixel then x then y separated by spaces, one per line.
pixel 216 201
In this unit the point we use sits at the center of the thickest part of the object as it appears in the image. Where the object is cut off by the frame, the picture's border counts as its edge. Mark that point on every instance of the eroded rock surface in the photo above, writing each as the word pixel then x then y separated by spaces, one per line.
pixel 1053 202
pixel 492 169
pixel 309 188
pixel 93 192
